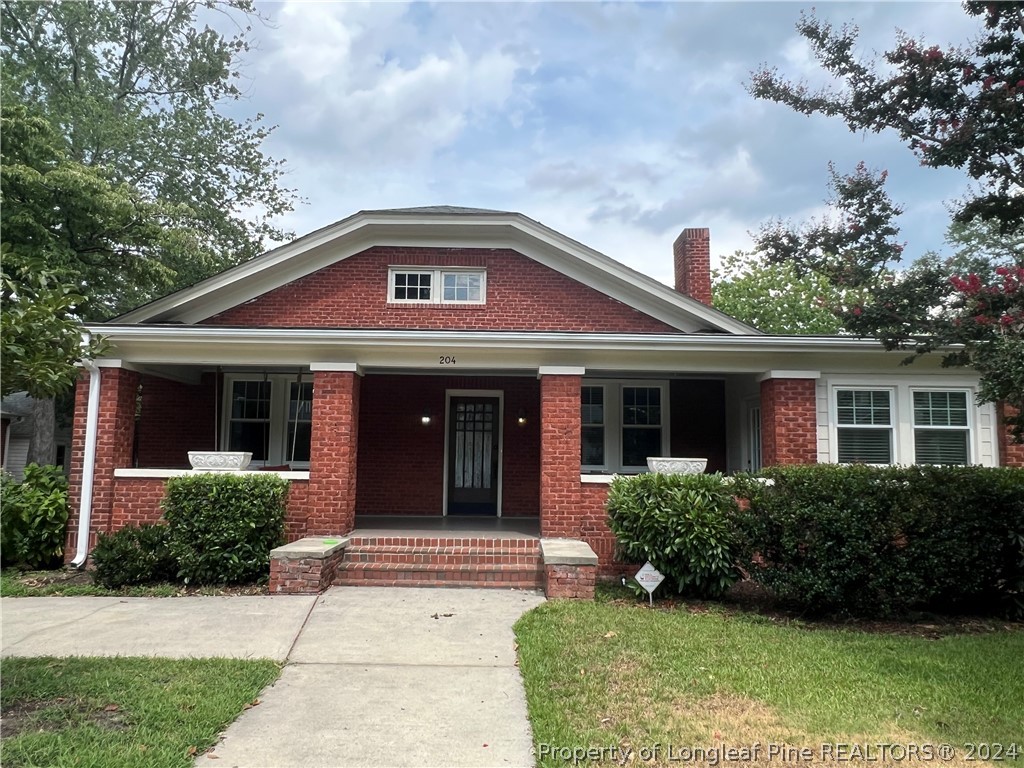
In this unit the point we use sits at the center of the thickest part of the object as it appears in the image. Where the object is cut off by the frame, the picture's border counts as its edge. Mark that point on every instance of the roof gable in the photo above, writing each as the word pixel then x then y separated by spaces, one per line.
pixel 435 227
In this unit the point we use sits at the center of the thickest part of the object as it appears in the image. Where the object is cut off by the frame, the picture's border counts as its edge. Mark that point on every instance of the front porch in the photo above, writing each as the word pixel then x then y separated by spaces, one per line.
pixel 380 453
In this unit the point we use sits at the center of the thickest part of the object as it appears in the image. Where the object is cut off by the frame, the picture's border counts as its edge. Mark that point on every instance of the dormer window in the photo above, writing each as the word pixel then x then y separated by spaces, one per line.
pixel 418 285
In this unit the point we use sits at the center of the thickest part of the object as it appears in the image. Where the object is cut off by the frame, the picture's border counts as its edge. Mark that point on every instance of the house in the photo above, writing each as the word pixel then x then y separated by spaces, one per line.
pixel 17 423
pixel 415 369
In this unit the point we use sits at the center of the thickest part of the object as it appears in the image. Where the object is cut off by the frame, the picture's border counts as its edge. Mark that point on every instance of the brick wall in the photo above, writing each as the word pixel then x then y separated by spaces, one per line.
pixel 1011 453
pixel 522 295
pixel 789 426
pixel 692 258
pixel 560 513
pixel 115 438
pixel 401 461
pixel 331 498
pixel 137 501
pixel 175 418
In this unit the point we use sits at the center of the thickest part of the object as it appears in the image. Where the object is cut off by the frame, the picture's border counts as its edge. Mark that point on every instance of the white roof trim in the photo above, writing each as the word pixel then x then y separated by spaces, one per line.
pixel 789 375
pixel 479 230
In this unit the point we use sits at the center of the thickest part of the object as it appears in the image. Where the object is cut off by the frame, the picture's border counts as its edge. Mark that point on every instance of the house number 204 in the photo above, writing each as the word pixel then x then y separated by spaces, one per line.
pixel 446 360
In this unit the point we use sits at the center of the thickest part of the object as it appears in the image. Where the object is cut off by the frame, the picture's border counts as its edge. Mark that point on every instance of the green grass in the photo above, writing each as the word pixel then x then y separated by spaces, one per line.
pixel 602 673
pixel 39 584
pixel 97 713
pixel 62 583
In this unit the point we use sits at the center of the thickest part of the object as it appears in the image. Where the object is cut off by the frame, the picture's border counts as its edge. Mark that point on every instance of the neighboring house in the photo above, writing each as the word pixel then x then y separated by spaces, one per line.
pixel 17 424
pixel 434 362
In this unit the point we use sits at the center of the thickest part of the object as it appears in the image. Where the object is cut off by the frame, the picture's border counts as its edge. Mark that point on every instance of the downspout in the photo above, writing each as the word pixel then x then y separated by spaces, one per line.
pixel 92 418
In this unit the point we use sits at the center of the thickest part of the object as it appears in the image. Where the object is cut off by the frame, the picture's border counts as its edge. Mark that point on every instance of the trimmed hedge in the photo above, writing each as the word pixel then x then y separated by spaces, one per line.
pixel 33 517
pixel 135 554
pixel 223 526
pixel 682 524
pixel 871 541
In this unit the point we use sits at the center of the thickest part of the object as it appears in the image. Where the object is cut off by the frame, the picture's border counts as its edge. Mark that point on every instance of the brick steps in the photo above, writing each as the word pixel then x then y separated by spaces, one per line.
pixel 418 561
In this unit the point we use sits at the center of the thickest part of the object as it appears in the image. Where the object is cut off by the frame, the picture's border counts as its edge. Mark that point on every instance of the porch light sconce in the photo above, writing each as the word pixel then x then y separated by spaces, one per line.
pixel 521 417
pixel 425 419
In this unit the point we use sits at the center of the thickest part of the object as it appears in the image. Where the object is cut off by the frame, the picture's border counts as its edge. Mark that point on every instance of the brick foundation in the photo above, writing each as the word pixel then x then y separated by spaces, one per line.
pixel 573 582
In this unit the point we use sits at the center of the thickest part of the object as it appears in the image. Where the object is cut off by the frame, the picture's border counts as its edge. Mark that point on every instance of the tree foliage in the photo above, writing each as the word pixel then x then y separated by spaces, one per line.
pixel 957 107
pixel 775 297
pixel 141 91
pixel 969 307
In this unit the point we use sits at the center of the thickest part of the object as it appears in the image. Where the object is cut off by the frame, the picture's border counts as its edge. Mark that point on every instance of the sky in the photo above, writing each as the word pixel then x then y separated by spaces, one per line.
pixel 617 124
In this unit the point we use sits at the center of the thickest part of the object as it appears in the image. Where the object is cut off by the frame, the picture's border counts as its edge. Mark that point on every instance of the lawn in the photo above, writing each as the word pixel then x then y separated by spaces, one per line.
pixel 617 674
pixel 97 713
pixel 71 583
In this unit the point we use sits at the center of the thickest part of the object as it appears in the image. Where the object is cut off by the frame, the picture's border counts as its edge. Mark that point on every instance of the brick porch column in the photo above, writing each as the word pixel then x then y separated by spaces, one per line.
pixel 560 514
pixel 331 499
pixel 115 439
pixel 789 419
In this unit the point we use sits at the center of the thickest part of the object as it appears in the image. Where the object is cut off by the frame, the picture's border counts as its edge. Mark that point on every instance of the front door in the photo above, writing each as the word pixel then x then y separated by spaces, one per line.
pixel 473 455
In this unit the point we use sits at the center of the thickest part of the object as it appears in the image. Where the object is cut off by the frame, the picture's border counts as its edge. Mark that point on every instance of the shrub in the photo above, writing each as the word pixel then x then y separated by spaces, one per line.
pixel 134 555
pixel 34 517
pixel 681 523
pixel 223 526
pixel 880 541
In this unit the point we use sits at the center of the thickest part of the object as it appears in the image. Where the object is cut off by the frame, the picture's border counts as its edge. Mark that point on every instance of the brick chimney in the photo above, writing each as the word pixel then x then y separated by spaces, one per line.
pixel 692 256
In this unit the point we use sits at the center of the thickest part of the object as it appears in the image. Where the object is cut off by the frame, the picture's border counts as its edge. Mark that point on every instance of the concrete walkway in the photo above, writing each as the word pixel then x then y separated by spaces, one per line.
pixel 373 676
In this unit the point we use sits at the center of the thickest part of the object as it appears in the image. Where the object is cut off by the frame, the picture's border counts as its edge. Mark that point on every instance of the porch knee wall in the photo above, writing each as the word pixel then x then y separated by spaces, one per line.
pixel 331 497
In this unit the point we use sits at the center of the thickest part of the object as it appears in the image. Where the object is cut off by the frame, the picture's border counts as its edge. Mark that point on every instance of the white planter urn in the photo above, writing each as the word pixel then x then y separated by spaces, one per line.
pixel 219 461
pixel 670 466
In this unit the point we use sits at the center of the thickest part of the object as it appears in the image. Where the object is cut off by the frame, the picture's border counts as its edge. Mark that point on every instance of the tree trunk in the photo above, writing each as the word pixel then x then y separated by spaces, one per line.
pixel 41 448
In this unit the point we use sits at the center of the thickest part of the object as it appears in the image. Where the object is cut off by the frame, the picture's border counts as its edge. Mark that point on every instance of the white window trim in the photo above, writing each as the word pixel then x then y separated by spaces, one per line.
pixel 971 408
pixel 893 426
pixel 280 391
pixel 437 285
pixel 902 403
pixel 613 426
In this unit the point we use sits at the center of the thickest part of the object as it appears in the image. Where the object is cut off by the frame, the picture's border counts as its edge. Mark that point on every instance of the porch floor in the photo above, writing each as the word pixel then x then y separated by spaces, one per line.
pixel 411 525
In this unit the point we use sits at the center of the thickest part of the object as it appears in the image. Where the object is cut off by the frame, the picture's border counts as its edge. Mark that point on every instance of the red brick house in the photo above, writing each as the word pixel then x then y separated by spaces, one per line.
pixel 410 368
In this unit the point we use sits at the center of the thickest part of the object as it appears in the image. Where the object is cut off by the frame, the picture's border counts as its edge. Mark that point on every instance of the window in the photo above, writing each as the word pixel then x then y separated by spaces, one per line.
pixel 300 422
pixel 919 420
pixel 592 439
pixel 436 286
pixel 641 425
pixel 412 286
pixel 270 416
pixel 941 430
pixel 864 432
pixel 249 428
pixel 622 423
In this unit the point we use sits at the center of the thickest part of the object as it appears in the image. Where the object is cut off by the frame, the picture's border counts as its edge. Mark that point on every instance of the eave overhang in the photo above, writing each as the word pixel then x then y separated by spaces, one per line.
pixel 481 351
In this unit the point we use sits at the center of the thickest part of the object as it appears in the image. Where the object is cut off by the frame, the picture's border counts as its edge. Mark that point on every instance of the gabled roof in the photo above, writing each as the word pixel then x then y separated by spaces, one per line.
pixel 435 226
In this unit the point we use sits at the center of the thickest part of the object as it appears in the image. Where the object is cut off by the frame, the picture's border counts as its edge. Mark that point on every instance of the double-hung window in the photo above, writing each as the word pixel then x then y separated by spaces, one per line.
pixel 902 423
pixel 622 423
pixel 864 426
pixel 429 285
pixel 269 416
pixel 941 427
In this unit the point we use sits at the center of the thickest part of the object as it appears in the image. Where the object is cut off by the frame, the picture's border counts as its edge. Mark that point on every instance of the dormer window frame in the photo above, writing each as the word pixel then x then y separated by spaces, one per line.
pixel 442 285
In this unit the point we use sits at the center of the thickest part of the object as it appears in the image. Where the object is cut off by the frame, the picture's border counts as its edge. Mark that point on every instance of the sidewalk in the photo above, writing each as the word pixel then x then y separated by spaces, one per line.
pixel 374 676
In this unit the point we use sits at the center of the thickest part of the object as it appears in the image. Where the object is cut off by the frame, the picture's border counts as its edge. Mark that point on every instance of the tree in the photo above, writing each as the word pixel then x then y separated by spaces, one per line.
pixel 139 90
pixel 774 297
pixel 958 107
pixel 968 307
